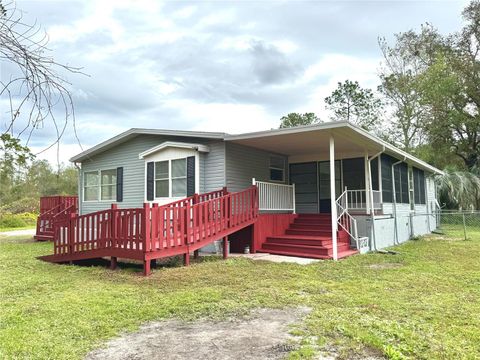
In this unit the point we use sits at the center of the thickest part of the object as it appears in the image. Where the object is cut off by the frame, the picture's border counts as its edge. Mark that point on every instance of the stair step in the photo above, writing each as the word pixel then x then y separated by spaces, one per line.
pixel 310 225
pixel 340 254
pixel 312 221
pixel 311 232
pixel 315 216
pixel 305 249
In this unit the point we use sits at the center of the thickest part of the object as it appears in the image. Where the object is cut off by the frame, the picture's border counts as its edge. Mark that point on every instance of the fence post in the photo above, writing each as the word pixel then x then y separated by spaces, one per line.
pixel 464 227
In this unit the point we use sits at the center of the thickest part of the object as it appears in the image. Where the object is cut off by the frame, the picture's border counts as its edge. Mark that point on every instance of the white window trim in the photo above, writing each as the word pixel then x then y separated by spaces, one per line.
pixel 99 186
pixel 154 159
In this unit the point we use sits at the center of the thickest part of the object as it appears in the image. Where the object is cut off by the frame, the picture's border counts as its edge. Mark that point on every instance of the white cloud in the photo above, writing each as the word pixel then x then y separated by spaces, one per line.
pixel 192 66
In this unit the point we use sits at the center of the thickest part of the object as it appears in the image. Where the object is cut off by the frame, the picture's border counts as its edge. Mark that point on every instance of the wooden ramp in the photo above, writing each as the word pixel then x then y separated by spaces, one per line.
pixel 53 209
pixel 154 232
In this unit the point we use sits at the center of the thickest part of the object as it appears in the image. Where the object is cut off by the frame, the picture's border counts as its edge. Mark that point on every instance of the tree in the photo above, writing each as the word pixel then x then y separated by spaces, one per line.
pixel 34 89
pixel 399 77
pixel 350 102
pixel 447 85
pixel 296 119
pixel 13 162
pixel 459 189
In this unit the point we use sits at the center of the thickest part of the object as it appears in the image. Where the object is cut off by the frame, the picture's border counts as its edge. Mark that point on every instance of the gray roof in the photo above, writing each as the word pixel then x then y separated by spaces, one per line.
pixel 105 145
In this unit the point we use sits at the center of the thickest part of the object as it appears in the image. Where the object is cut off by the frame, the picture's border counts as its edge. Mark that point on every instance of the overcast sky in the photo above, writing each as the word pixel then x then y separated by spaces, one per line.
pixel 216 66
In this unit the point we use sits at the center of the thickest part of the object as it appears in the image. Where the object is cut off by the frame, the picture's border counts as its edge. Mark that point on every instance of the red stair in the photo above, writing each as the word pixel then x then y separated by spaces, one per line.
pixel 310 235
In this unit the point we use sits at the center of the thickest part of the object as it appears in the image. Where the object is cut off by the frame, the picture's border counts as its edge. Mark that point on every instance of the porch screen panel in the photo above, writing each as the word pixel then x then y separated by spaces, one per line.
pixel 404 183
pixel 354 173
pixel 374 172
pixel 401 182
pixel 419 186
pixel 304 176
pixel 387 185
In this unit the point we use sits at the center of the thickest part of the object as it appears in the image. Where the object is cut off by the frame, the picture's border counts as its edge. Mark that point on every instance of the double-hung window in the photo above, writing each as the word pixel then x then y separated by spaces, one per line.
pixel 90 186
pixel 171 178
pixel 162 186
pixel 108 189
pixel 100 185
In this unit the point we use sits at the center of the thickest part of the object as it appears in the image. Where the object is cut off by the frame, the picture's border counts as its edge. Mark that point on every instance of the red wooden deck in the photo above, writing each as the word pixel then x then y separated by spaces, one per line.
pixel 155 232
pixel 182 227
pixel 54 209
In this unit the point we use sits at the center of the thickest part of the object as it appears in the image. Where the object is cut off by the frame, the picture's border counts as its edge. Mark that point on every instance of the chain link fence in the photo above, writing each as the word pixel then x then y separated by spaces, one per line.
pixel 459 224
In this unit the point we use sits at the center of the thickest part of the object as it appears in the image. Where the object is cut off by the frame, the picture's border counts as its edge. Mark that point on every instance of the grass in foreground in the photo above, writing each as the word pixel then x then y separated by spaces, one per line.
pixel 423 303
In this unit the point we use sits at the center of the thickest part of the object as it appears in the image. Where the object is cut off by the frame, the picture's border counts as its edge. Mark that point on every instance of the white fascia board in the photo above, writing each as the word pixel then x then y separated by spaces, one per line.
pixel 169 144
pixel 136 131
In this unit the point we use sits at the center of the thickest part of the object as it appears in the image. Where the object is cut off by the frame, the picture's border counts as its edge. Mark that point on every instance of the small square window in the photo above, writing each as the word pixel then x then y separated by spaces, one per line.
pixel 277 169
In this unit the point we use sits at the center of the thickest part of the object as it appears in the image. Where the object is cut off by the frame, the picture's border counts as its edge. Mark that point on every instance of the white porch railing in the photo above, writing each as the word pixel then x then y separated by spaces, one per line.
pixel 357 199
pixel 275 197
pixel 346 221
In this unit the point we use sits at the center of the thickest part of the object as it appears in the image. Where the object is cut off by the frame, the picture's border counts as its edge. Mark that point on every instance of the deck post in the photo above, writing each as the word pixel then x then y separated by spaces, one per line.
pixel 186 259
pixel 113 263
pixel 113 224
pixel 71 233
pixel 146 227
pixel 367 184
pixel 333 202
pixel 225 247
pixel 195 254
pixel 146 267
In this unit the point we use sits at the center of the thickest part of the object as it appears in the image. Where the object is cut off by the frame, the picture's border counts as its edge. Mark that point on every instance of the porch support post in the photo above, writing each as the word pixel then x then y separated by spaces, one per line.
pixel 367 185
pixel 333 202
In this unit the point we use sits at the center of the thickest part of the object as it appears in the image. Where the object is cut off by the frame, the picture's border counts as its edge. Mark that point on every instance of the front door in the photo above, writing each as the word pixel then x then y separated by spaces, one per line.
pixel 305 178
pixel 312 185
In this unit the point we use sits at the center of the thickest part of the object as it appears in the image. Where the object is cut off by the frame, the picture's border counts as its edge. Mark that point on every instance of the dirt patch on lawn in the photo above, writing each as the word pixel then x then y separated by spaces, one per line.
pixel 264 334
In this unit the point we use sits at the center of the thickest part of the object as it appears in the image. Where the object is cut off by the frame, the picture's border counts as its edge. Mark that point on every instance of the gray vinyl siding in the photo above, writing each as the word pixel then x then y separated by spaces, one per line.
pixel 126 155
pixel 244 163
pixel 214 167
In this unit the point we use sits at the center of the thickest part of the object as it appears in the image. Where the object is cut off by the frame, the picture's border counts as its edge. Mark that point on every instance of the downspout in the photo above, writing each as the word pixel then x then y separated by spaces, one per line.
pixel 79 184
pixel 395 226
pixel 372 208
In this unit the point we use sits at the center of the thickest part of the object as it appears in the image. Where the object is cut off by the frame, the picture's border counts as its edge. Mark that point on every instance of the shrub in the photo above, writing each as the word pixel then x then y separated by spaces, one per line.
pixel 24 205
pixel 9 220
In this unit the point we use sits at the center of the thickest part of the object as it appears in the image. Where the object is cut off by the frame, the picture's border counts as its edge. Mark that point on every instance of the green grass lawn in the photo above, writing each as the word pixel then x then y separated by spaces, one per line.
pixel 423 303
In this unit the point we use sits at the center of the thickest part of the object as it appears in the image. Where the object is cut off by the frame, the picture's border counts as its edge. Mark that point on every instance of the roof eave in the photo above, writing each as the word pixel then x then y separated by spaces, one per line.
pixel 139 131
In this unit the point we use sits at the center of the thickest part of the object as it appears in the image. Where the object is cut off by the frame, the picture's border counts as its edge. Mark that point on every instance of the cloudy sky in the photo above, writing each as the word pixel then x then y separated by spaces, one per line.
pixel 217 65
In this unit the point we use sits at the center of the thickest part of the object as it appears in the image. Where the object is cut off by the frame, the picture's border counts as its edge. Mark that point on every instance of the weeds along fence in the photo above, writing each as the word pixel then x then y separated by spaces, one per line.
pixel 460 224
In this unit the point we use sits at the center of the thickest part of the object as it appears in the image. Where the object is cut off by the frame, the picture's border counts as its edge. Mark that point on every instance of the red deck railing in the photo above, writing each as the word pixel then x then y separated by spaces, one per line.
pixel 158 231
pixel 54 209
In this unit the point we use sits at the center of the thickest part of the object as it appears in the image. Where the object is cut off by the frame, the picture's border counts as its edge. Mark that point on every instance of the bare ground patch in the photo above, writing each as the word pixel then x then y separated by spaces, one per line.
pixel 264 334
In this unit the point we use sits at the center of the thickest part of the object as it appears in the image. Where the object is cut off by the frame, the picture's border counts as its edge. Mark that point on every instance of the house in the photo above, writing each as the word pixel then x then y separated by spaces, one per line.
pixel 327 190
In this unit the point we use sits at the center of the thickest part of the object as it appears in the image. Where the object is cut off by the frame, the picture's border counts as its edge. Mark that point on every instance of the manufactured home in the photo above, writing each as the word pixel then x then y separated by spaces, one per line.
pixel 324 191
